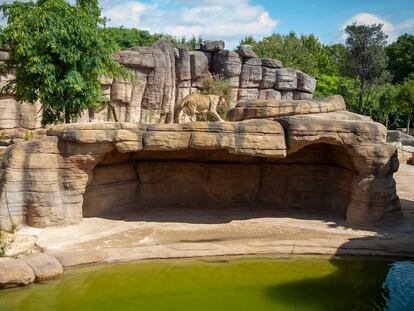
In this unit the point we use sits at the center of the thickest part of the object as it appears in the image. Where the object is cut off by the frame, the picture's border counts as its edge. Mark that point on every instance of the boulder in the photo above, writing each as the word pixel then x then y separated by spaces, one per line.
pixel 287 95
pixel 398 136
pixel 137 57
pixel 251 73
pixel 270 94
pixel 271 63
pixel 212 45
pixel 260 109
pixel 227 63
pixel 199 64
pixel 305 83
pixel 248 94
pixel 286 79
pixel 121 90
pixel 246 51
pixel 15 273
pixel 169 77
pixel 182 64
pixel 302 95
pixel 268 78
pixel 45 267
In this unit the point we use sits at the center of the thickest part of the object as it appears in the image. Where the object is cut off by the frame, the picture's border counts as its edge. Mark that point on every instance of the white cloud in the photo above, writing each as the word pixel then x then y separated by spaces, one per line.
pixel 217 19
pixel 392 30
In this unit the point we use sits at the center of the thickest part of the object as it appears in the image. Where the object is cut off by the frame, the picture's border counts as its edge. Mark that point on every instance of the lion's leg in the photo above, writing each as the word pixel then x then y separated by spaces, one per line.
pixel 214 112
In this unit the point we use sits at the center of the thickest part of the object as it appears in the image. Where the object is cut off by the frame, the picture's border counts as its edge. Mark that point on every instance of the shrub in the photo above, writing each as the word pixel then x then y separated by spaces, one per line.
pixel 217 85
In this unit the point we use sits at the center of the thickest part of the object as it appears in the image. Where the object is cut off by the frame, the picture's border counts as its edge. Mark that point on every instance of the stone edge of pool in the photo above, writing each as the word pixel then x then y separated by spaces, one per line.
pixel 40 267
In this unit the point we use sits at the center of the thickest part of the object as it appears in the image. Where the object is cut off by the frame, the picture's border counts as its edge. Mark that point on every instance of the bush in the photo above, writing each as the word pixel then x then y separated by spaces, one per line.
pixel 217 85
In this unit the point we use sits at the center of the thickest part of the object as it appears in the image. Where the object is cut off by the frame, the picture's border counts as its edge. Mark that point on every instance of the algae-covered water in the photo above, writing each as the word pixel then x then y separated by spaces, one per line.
pixel 235 284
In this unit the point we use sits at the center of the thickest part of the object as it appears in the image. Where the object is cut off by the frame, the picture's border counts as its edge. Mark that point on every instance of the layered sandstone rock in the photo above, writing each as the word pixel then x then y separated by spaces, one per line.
pixel 260 109
pixel 17 120
pixel 164 75
pixel 310 155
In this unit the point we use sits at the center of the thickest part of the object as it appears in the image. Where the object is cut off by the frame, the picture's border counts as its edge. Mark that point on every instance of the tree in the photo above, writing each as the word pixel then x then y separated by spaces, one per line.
pixel 130 37
pixel 406 100
pixel 303 53
pixel 388 101
pixel 58 51
pixel 331 85
pixel 401 57
pixel 365 45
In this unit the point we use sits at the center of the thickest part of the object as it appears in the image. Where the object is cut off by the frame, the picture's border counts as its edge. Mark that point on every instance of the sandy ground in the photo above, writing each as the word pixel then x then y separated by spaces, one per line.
pixel 166 233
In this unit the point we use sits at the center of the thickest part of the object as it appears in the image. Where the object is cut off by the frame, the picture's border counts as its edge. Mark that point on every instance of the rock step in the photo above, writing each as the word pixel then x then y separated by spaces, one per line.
pixel 263 109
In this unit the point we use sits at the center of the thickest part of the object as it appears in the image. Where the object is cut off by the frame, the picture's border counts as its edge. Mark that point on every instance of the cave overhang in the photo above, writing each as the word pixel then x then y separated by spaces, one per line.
pixel 45 181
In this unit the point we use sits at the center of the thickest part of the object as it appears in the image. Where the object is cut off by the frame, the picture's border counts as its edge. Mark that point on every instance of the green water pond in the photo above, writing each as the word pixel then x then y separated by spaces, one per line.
pixel 222 284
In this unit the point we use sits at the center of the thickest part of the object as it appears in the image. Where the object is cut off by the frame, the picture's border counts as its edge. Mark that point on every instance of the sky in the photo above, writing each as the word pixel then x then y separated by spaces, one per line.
pixel 231 20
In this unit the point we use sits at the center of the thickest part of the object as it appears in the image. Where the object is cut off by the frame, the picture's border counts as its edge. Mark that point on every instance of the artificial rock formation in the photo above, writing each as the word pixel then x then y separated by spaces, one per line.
pixel 17 120
pixel 307 155
pixel 164 76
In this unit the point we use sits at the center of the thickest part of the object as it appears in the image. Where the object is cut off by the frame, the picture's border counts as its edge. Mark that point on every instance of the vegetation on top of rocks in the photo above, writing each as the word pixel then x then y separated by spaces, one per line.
pixel 58 51
pixel 217 85
pixel 126 38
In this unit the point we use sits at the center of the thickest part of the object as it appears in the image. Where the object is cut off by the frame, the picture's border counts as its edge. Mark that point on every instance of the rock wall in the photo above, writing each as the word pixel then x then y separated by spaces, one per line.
pixel 166 74
pixel 327 158
pixel 17 120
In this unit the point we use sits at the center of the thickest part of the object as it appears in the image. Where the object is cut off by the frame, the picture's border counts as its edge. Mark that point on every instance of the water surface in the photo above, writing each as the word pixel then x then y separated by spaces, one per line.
pixel 236 284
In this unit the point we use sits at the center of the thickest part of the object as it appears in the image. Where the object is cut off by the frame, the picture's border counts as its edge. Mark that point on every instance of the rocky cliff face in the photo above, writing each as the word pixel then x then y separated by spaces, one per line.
pixel 17 120
pixel 312 155
pixel 165 75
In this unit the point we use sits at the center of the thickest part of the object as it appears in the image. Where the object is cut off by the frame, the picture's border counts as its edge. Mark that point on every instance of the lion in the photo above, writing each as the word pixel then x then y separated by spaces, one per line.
pixel 193 104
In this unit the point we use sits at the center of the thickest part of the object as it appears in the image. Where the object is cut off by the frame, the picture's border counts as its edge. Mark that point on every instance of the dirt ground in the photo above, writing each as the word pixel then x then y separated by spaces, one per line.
pixel 166 233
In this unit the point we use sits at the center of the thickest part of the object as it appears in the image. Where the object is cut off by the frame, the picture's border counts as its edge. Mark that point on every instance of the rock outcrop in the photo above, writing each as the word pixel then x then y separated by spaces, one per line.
pixel 17 120
pixel 164 76
pixel 305 154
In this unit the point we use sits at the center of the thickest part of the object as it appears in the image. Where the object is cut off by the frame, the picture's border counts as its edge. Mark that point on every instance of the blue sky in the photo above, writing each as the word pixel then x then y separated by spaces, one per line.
pixel 231 20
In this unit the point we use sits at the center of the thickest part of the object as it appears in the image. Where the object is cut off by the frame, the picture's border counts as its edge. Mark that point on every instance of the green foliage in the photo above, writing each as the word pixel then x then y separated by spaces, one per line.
pixel 401 57
pixel 59 50
pixel 216 85
pixel 406 100
pixel 3 136
pixel 191 44
pixel 367 60
pixel 331 85
pixel 126 38
pixel 388 103
pixel 28 135
pixel 303 53
pixel 2 244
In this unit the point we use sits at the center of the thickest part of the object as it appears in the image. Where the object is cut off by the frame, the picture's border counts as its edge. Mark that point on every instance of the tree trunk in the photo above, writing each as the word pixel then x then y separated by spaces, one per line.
pixel 386 120
pixel 361 95
pixel 410 114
